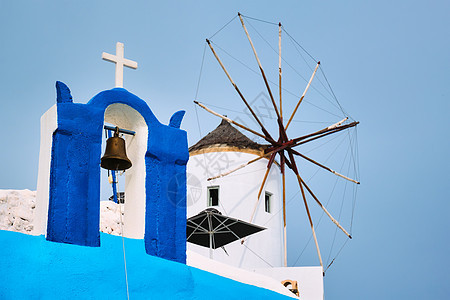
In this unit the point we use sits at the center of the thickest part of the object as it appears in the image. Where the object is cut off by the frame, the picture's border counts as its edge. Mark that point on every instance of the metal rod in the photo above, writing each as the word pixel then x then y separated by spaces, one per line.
pixel 303 96
pixel 124 131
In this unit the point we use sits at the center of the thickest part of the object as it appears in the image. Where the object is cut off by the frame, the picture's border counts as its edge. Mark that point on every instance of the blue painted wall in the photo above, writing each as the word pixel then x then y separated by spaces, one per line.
pixel 33 268
pixel 74 204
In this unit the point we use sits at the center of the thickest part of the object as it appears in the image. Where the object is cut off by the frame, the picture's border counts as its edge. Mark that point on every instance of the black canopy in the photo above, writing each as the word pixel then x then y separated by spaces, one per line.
pixel 213 230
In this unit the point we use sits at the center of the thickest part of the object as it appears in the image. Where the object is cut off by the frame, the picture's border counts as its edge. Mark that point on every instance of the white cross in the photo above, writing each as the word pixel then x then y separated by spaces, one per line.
pixel 120 61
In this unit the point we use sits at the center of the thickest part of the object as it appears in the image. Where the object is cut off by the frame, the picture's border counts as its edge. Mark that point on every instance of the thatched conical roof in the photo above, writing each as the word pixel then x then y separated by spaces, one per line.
pixel 226 136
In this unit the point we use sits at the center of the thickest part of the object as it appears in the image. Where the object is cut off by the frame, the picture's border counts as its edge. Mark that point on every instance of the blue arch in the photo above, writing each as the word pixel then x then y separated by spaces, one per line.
pixel 74 204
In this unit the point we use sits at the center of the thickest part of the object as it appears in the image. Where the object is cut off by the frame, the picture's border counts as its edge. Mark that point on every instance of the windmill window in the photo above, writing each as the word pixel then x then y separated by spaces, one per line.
pixel 267 202
pixel 213 196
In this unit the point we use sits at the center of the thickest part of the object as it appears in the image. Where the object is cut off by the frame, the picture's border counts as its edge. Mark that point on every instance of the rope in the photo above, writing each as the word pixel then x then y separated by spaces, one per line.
pixel 123 245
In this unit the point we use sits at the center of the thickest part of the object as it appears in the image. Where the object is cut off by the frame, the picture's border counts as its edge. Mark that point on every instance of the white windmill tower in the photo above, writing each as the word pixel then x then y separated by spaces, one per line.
pixel 223 149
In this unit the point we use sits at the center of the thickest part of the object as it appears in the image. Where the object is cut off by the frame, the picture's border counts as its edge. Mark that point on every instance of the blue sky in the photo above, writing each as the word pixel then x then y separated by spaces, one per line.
pixel 388 63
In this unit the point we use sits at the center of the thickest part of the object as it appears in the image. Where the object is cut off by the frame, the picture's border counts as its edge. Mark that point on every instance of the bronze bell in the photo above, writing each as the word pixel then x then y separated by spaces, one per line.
pixel 115 157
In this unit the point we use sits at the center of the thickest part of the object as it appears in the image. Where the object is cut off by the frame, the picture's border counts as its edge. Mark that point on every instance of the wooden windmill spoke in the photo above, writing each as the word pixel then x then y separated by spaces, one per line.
pixel 269 166
pixel 240 167
pixel 286 161
pixel 239 92
pixel 295 170
pixel 324 167
pixel 291 151
pixel 319 134
pixel 279 69
pixel 283 177
pixel 310 220
pixel 324 209
pixel 260 67
pixel 324 130
pixel 303 96
pixel 233 122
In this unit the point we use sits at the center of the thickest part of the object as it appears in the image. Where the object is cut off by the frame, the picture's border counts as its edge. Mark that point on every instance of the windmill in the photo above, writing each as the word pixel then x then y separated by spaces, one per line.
pixel 282 147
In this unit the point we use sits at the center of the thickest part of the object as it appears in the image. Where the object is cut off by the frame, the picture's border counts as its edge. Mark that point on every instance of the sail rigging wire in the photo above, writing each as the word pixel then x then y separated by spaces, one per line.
pixel 259 20
pixel 223 27
pixel 201 71
pixel 315 60
pixel 355 189
pixel 339 219
pixel 334 95
pixel 339 252
pixel 257 254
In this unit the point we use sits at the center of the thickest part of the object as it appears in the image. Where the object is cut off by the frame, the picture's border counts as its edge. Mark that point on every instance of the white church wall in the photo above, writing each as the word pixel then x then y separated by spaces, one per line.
pixel 237 198
pixel 49 123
